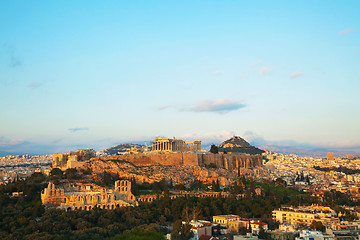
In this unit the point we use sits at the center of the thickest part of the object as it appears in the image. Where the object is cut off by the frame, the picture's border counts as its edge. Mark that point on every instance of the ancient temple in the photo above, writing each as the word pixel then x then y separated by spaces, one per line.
pixel 175 145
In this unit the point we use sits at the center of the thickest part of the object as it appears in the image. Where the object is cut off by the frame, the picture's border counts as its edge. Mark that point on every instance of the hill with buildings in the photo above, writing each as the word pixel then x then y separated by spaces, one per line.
pixel 237 144
pixel 121 148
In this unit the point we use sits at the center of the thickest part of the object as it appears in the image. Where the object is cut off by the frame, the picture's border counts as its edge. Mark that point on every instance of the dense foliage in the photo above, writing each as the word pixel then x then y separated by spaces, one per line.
pixel 214 149
pixel 24 217
pixel 338 169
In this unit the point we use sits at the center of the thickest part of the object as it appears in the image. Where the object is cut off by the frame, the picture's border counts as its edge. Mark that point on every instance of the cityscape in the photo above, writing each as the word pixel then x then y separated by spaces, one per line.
pixel 313 197
pixel 181 120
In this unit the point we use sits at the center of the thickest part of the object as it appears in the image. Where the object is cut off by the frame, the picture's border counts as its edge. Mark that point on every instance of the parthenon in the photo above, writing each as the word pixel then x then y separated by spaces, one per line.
pixel 175 145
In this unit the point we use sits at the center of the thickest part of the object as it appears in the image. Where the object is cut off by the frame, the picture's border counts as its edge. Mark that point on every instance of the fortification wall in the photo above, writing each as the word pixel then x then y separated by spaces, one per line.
pixel 227 161
pixel 230 161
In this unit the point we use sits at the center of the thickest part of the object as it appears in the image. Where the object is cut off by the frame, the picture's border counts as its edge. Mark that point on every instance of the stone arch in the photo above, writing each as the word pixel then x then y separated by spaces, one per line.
pixel 68 209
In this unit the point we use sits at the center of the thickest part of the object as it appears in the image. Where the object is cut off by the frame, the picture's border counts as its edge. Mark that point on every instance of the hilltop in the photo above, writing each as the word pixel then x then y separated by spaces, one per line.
pixel 121 148
pixel 237 144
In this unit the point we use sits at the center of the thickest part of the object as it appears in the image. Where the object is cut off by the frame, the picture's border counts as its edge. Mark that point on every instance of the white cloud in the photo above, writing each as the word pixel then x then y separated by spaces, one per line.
pixel 219 106
pixel 265 70
pixel 9 142
pixel 33 85
pixel 163 107
pixel 296 74
pixel 77 129
pixel 346 31
pixel 209 137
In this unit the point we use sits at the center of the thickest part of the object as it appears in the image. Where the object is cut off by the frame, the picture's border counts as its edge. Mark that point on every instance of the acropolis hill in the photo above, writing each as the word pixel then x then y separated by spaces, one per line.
pixel 179 160
pixel 172 152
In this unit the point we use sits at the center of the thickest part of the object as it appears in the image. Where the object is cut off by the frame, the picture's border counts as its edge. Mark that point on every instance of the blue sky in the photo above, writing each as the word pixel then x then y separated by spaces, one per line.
pixel 77 74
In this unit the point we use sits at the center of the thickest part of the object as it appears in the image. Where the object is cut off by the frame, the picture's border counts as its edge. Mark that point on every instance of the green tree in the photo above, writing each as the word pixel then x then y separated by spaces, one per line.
pixel 214 149
pixel 285 198
pixel 181 231
pixel 263 235
pixel 280 182
pixel 317 225
pixel 139 235
pixel 56 174
pixel 71 173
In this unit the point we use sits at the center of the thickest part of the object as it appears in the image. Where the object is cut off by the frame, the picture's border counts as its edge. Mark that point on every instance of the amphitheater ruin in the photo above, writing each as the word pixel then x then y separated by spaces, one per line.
pixel 87 196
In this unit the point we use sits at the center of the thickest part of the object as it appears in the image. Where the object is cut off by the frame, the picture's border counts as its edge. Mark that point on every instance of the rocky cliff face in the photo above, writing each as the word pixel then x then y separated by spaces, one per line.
pixel 182 168
pixel 227 161
pixel 181 174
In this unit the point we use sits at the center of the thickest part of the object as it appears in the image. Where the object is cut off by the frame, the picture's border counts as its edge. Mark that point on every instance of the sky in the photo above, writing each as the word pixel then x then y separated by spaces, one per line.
pixel 93 74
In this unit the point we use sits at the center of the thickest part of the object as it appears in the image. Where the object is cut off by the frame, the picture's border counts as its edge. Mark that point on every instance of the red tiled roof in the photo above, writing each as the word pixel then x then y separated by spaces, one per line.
pixel 205 237
pixel 259 223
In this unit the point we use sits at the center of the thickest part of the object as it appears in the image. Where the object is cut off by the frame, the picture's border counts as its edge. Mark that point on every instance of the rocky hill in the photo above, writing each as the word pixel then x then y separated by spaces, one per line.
pixel 179 174
pixel 121 148
pixel 237 144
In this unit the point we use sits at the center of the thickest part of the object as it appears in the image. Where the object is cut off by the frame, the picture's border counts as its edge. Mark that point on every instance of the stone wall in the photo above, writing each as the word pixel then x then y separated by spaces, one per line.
pixel 75 158
pixel 230 161
pixel 227 161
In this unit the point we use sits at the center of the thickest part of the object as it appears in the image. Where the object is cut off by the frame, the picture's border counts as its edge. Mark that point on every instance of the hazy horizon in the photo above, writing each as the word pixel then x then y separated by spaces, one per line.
pixel 95 74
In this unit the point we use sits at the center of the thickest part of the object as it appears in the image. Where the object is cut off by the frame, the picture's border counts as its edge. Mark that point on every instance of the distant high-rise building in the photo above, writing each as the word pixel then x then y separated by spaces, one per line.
pixel 330 156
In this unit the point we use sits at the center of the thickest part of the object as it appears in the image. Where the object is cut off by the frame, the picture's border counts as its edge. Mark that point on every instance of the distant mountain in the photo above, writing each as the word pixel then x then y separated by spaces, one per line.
pixel 237 144
pixel 3 154
pixel 309 151
pixel 121 148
